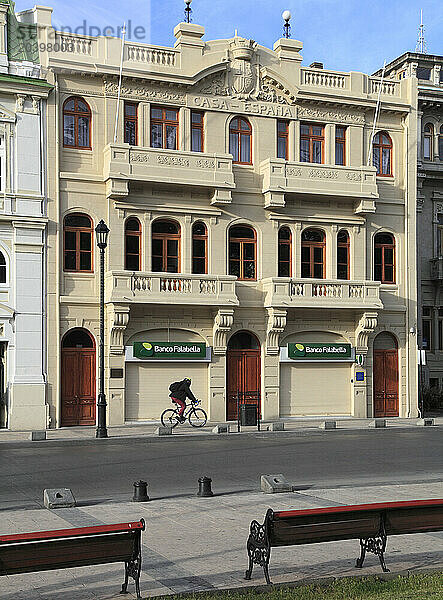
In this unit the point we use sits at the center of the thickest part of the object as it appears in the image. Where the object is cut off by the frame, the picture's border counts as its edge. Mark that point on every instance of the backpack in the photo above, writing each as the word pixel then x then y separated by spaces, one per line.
pixel 174 386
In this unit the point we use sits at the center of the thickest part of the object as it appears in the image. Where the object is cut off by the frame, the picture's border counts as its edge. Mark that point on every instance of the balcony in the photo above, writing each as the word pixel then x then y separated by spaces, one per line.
pixel 437 268
pixel 124 163
pixel 163 288
pixel 281 177
pixel 284 292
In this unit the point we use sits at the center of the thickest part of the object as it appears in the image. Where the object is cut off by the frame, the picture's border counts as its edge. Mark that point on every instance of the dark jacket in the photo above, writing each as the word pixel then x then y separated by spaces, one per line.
pixel 183 392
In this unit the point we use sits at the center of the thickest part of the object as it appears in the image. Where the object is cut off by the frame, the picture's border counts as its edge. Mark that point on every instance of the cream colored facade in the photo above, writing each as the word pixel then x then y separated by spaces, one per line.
pixel 115 181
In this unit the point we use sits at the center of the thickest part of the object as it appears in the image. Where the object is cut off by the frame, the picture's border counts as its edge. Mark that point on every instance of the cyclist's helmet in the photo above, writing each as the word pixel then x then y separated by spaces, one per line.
pixel 187 380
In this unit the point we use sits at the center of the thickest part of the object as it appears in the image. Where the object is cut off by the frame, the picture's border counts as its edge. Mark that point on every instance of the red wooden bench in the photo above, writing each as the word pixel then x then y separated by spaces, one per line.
pixel 371 523
pixel 79 547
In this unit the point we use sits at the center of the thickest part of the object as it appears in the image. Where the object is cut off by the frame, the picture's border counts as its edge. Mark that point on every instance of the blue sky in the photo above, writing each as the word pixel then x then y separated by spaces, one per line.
pixel 345 35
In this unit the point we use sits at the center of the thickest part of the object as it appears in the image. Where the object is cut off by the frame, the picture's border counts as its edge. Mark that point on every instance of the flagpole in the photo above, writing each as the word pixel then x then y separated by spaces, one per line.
pixel 377 110
pixel 119 83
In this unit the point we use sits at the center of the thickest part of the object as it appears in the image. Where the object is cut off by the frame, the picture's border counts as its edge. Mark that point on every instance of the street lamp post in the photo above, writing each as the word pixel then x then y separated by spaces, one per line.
pixel 102 241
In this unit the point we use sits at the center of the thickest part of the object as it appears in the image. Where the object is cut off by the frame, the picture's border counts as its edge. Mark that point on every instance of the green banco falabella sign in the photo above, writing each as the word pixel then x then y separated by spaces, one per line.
pixel 307 351
pixel 169 350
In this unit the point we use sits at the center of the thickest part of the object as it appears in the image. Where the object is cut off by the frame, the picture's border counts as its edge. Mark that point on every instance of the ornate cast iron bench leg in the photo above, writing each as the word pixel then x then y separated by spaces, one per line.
pixel 132 569
pixel 259 550
pixel 376 545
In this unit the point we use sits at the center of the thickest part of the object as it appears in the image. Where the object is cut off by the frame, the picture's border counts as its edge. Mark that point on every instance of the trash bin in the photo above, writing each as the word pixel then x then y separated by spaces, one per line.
pixel 248 414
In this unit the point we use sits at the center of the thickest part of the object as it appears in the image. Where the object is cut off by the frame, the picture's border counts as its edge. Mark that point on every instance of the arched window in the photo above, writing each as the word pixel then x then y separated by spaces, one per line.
pixel 240 141
pixel 199 248
pixel 313 246
pixel 242 252
pixel 384 258
pixel 428 135
pixel 382 154
pixel 2 268
pixel 132 244
pixel 78 243
pixel 343 254
pixel 76 124
pixel 440 144
pixel 284 252
pixel 78 338
pixel 166 246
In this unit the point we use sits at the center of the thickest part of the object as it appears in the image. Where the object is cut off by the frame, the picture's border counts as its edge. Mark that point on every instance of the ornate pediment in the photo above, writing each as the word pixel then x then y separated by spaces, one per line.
pixel 143 90
pixel 6 115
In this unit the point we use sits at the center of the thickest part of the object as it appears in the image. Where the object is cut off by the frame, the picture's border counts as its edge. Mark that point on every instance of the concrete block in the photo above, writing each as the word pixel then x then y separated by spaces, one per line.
pixel 328 425
pixel 163 430
pixel 426 422
pixel 59 498
pixel 37 436
pixel 273 484
pixel 379 423
pixel 223 428
pixel 277 426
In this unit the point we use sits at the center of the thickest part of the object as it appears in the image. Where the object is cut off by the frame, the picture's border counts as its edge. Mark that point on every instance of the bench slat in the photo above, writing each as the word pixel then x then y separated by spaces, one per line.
pixel 414 520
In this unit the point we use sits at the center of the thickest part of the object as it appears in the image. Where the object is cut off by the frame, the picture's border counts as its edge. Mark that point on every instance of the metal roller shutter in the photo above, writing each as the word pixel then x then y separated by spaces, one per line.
pixel 147 387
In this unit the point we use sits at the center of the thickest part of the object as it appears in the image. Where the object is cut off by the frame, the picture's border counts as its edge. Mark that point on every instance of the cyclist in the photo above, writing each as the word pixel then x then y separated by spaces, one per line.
pixel 180 390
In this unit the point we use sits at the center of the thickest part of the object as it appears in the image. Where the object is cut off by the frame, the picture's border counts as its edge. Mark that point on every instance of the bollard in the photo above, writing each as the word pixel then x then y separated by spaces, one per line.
pixel 140 491
pixel 204 487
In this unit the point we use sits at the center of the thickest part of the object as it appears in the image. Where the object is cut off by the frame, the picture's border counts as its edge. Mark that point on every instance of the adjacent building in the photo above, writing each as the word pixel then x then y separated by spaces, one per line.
pixel 23 94
pixel 257 244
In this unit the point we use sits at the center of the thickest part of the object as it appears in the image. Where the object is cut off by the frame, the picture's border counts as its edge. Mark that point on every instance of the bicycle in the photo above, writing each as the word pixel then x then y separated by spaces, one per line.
pixel 197 417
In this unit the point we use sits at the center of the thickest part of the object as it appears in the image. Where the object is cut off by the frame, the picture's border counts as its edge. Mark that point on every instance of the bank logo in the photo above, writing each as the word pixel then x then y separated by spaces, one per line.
pixel 318 351
pixel 300 350
pixel 148 349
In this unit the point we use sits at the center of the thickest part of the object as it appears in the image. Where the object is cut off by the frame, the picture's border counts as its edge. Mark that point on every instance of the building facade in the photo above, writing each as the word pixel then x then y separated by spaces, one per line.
pixel 23 93
pixel 253 245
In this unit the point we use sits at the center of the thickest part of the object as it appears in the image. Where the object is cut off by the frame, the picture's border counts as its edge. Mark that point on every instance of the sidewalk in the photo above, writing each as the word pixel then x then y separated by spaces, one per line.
pixel 194 544
pixel 148 429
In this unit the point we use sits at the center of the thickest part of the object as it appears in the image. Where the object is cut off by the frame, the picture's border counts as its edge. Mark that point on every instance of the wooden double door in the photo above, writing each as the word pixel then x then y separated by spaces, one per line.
pixel 243 374
pixel 78 386
pixel 385 383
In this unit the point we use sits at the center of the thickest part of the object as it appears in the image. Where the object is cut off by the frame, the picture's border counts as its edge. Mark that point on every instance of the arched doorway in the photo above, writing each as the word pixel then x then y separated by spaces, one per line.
pixel 385 376
pixel 243 370
pixel 78 378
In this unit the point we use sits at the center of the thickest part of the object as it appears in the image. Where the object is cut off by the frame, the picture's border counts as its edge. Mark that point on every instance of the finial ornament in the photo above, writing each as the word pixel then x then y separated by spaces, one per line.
pixel 188 11
pixel 286 27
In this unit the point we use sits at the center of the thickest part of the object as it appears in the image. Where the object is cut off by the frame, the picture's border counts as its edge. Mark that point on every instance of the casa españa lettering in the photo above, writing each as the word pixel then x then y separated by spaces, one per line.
pixel 257 108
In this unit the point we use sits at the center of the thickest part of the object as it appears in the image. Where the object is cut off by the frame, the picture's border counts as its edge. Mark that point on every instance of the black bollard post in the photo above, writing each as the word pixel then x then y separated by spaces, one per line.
pixel 140 491
pixel 204 487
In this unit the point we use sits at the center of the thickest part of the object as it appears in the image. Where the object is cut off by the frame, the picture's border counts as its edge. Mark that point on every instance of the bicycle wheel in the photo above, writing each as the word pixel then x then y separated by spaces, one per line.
pixel 169 418
pixel 197 417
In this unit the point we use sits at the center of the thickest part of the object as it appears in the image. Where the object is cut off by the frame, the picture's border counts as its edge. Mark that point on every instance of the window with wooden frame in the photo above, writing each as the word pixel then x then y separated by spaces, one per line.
pixel 428 137
pixel 284 252
pixel 199 248
pixel 2 268
pixel 77 242
pixel 197 131
pixel 312 141
pixel 76 124
pixel 164 127
pixel 382 154
pixel 133 244
pixel 313 253
pixel 282 139
pixel 166 246
pixel 426 328
pixel 343 254
pixel 131 123
pixel 340 145
pixel 384 258
pixel 240 141
pixel 440 144
pixel 243 252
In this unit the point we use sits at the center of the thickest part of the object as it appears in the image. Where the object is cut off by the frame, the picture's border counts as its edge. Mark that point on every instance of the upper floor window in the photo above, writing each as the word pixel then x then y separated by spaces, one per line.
pixel 282 139
pixel 132 244
pixel 78 243
pixel 164 127
pixel 243 252
pixel 76 124
pixel 428 135
pixel 343 254
pixel 130 123
pixel 440 144
pixel 197 124
pixel 311 143
pixel 284 252
pixel 426 327
pixel 199 248
pixel 384 258
pixel 440 234
pixel 313 246
pixel 2 268
pixel 166 246
pixel 382 154
pixel 340 140
pixel 240 138
pixel 423 73
pixel 2 164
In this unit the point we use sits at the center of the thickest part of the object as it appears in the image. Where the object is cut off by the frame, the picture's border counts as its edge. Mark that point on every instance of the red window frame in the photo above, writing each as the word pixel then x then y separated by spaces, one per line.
pixel 203 238
pixel 242 241
pixel 284 242
pixel 346 245
pixel 384 263
pixel 132 233
pixel 311 137
pixel 78 230
pixel 164 122
pixel 77 113
pixel 378 146
pixel 340 141
pixel 235 129
pixel 128 118
pixel 198 126
pixel 164 237
pixel 283 134
pixel 312 245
